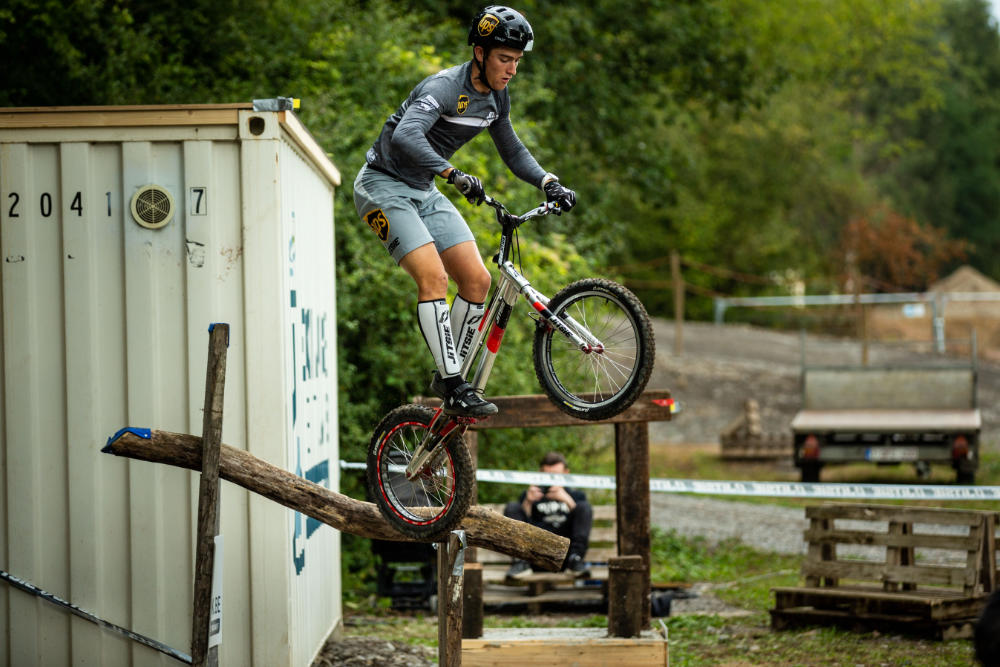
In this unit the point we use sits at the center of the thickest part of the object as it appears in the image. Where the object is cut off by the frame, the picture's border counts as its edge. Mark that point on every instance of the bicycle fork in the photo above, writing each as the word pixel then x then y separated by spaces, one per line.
pixel 426 454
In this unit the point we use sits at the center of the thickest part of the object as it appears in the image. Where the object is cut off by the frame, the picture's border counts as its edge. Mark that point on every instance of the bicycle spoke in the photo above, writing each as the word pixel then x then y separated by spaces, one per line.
pixel 605 370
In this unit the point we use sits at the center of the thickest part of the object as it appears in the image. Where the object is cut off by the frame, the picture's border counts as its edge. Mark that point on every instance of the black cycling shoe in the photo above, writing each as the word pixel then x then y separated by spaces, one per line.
pixel 462 400
pixel 437 386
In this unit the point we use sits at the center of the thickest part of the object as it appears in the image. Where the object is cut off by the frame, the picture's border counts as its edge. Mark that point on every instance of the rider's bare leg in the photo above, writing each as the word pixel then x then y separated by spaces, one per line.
pixel 465 266
pixel 427 270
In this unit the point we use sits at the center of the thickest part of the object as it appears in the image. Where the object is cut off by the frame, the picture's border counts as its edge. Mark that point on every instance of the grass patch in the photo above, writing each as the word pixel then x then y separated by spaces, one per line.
pixel 709 641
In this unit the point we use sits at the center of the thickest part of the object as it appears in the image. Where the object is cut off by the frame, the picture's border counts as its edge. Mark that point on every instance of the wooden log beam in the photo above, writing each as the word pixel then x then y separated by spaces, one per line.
pixel 537 410
pixel 483 527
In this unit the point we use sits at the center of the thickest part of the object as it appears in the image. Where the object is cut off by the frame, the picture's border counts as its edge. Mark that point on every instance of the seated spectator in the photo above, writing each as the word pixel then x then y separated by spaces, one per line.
pixel 558 509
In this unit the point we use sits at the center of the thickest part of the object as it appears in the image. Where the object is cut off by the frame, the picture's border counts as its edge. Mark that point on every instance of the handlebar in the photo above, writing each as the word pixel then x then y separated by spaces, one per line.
pixel 505 217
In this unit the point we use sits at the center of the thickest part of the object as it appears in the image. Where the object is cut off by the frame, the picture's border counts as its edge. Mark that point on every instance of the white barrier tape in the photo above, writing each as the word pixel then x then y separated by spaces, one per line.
pixel 737 488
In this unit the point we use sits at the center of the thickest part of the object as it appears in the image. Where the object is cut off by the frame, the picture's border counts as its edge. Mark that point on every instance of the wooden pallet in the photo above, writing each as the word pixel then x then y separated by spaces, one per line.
pixel 898 592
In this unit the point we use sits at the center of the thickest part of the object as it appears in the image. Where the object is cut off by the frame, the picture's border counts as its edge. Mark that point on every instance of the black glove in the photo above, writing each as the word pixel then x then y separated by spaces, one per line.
pixel 470 186
pixel 554 191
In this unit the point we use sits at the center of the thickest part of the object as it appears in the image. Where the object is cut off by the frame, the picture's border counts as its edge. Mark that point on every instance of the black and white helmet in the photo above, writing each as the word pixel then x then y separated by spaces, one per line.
pixel 498 25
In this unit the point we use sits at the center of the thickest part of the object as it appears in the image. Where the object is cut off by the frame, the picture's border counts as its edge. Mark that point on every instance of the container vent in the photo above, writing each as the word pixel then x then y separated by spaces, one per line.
pixel 152 206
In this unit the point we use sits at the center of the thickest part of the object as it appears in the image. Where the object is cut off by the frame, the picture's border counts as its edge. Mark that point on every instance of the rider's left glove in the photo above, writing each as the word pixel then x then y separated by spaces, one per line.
pixel 468 185
pixel 555 191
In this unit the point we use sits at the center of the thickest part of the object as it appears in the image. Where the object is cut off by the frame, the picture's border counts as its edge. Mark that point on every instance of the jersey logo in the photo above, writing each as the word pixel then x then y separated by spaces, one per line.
pixel 379 223
pixel 487 24
pixel 427 103
pixel 463 103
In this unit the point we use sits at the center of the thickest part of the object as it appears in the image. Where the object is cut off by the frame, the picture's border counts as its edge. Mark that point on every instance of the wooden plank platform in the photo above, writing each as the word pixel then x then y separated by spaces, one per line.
pixel 581 647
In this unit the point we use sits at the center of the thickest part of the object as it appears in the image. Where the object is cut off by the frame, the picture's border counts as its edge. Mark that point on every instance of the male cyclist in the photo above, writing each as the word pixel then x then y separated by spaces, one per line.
pixel 396 195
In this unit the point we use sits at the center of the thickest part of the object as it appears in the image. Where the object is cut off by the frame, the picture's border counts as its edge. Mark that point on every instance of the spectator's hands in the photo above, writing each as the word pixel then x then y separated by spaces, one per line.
pixel 562 495
pixel 470 186
pixel 555 191
pixel 533 494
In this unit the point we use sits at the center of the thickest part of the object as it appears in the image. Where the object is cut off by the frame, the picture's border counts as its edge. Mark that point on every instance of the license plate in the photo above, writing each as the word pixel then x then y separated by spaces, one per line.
pixel 891 454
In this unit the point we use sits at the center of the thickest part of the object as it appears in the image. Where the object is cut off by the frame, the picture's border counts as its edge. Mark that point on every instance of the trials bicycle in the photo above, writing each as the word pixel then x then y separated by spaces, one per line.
pixel 593 353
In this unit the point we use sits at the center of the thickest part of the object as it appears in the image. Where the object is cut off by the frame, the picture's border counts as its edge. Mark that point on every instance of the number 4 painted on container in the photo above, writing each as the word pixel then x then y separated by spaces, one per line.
pixel 199 200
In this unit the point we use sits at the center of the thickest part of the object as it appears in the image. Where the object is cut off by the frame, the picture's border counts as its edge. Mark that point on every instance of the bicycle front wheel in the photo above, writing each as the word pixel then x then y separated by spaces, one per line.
pixel 436 500
pixel 604 380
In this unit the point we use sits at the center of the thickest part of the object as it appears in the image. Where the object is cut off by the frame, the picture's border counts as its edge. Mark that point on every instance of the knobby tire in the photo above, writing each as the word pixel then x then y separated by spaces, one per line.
pixel 436 502
pixel 596 385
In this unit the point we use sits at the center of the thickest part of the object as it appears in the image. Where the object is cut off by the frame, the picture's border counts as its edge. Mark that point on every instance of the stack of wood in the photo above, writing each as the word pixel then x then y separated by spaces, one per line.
pixel 745 439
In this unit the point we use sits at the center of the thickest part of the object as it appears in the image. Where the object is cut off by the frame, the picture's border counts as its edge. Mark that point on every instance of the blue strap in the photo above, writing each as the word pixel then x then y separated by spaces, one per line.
pixel 211 327
pixel 143 433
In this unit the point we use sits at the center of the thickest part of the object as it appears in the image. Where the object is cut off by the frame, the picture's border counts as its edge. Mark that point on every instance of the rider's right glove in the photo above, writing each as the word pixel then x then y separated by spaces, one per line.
pixel 470 186
pixel 555 191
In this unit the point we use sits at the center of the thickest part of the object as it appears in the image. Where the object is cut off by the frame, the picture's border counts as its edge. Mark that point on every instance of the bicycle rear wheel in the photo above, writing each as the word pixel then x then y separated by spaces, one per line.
pixel 437 499
pixel 601 382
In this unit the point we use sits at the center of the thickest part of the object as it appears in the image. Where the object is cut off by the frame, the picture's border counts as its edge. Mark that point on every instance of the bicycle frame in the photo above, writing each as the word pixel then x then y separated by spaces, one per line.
pixel 491 331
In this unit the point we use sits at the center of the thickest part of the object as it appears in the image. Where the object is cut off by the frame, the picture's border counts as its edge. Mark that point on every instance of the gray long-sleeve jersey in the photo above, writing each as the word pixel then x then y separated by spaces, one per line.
pixel 443 113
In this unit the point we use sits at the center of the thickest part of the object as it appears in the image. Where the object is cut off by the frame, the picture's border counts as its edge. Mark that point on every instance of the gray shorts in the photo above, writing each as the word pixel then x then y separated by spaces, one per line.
pixel 404 218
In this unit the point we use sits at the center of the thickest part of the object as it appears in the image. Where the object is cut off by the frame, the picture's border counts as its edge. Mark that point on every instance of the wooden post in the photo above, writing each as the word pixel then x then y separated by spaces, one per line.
pixel 988 567
pixel 865 336
pixel 626 589
pixel 472 598
pixel 677 280
pixel 451 554
pixel 472 444
pixel 208 498
pixel 632 499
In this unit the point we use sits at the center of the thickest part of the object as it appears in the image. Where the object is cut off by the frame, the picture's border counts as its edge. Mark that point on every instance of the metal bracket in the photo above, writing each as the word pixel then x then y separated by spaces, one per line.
pixel 459 567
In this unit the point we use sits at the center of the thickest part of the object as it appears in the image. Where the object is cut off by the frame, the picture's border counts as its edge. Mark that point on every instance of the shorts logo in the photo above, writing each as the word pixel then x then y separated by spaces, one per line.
pixel 463 103
pixel 487 24
pixel 379 224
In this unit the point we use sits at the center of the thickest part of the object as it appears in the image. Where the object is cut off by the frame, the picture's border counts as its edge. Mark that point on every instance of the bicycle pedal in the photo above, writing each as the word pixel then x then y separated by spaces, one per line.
pixel 469 421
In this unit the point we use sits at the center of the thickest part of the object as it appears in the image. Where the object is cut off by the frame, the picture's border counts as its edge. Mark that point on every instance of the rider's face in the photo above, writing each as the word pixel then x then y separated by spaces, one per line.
pixel 500 64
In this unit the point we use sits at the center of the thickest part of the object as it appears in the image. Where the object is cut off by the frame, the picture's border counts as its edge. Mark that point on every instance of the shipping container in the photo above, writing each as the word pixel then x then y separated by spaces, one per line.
pixel 124 233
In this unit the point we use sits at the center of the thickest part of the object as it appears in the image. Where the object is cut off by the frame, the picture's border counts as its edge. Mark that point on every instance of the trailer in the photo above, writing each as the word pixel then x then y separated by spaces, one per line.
pixel 924 413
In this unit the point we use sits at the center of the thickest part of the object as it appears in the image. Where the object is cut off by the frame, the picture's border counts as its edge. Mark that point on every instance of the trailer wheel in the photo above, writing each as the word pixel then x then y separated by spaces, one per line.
pixel 810 472
pixel 965 477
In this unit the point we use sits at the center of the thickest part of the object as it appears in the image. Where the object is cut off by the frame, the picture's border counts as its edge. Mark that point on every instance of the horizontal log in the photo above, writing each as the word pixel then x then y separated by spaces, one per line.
pixel 483 527
pixel 538 410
